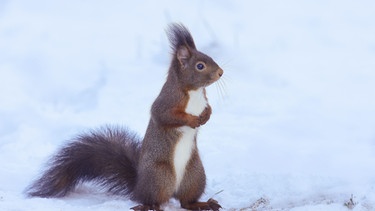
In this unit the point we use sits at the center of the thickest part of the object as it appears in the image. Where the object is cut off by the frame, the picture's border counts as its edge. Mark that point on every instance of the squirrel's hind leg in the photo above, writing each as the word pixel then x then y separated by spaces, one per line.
pixel 192 187
pixel 155 186
pixel 211 204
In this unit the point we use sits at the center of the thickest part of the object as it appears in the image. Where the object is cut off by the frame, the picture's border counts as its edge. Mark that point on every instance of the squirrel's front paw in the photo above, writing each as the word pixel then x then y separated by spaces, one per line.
pixel 194 122
pixel 205 115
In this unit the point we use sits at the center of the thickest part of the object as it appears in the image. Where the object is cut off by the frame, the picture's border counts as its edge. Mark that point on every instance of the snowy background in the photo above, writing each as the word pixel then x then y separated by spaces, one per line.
pixel 293 124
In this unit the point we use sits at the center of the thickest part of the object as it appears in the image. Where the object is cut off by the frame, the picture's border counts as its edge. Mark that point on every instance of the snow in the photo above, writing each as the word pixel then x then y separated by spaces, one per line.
pixel 293 123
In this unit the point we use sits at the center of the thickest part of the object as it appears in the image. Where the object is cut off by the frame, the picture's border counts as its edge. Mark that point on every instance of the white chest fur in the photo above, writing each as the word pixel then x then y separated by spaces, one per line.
pixel 195 106
pixel 197 102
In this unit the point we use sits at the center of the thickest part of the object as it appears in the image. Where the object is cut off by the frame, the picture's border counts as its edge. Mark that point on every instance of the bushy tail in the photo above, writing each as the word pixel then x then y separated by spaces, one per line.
pixel 108 156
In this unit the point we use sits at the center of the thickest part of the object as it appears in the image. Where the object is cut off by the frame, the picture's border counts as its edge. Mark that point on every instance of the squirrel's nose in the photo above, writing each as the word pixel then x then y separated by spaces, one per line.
pixel 220 72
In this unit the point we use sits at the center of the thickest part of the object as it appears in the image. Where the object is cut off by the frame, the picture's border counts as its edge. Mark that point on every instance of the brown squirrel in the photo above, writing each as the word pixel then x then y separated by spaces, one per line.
pixel 166 164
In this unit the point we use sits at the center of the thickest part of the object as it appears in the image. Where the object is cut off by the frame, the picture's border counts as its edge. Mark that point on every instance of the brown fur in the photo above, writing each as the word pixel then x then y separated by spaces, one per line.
pixel 167 114
pixel 145 172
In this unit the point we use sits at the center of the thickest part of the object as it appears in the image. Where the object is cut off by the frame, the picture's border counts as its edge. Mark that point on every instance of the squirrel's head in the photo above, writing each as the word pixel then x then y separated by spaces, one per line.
pixel 194 69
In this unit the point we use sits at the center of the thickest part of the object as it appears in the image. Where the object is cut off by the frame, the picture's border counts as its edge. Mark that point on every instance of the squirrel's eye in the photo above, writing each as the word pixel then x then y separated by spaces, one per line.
pixel 200 66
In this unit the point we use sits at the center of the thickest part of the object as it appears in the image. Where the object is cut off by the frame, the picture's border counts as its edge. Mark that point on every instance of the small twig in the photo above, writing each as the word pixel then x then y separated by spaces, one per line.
pixel 351 203
pixel 217 193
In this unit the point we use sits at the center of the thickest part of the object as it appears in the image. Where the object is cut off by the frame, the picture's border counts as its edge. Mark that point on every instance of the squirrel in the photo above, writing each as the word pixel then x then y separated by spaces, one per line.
pixel 166 163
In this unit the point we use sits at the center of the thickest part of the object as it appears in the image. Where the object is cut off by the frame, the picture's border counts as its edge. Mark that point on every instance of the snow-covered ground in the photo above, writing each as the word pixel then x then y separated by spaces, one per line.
pixel 293 124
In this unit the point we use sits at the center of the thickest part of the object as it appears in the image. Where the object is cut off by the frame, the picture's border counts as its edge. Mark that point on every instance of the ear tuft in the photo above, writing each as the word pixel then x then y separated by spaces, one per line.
pixel 179 36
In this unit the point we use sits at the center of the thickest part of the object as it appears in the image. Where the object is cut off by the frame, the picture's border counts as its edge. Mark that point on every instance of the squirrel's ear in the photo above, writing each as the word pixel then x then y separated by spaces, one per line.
pixel 183 55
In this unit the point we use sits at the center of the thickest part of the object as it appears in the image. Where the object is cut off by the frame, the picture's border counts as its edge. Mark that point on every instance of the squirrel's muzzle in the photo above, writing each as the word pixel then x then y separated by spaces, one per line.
pixel 220 72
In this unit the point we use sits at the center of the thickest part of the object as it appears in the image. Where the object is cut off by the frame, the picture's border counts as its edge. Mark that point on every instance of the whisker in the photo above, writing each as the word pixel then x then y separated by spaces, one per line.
pixel 221 85
pixel 224 88
pixel 226 63
pixel 220 88
pixel 217 88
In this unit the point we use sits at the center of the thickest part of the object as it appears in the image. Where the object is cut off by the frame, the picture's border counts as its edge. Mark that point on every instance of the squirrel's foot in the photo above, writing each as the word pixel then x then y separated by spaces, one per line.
pixel 146 208
pixel 211 204
pixel 214 205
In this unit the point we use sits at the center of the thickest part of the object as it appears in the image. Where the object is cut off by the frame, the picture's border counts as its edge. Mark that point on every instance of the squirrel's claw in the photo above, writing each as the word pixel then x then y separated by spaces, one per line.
pixel 213 204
